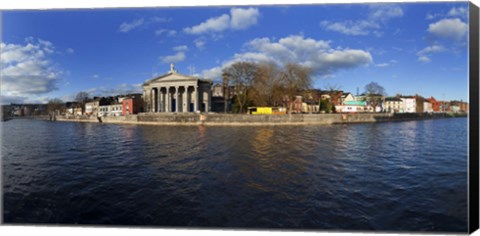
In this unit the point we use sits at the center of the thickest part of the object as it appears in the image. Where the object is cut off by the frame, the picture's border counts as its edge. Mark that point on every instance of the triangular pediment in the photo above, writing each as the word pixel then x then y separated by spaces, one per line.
pixel 171 77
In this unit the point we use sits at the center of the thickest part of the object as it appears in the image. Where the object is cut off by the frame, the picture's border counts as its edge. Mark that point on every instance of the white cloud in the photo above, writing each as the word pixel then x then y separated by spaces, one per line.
pixel 423 55
pixel 385 64
pixel 239 19
pixel 157 19
pixel 361 27
pixel 430 16
pixel 120 89
pixel 181 48
pixel 27 70
pixel 6 99
pixel 213 73
pixel 70 50
pixel 95 76
pixel 379 14
pixel 243 18
pixel 127 26
pixel 200 43
pixel 177 57
pixel 167 32
pixel 431 49
pixel 385 11
pixel 460 11
pixel 424 59
pixel 314 54
pixel 453 29
pixel 382 64
pixel 216 24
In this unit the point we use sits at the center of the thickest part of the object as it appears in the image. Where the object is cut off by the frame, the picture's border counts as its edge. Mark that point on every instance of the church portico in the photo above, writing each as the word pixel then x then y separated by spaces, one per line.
pixel 175 92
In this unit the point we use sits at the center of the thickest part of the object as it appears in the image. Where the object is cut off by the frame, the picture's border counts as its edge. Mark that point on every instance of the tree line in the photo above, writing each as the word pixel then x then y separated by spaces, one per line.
pixel 261 85
pixel 57 104
pixel 265 84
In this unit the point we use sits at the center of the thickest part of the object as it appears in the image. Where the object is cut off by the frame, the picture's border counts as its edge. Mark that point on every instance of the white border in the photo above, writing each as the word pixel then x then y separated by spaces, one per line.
pixel 88 4
pixel 57 4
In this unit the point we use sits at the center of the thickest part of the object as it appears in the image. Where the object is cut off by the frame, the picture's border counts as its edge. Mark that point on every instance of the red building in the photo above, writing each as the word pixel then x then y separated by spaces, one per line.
pixel 462 106
pixel 443 106
pixel 132 104
pixel 434 102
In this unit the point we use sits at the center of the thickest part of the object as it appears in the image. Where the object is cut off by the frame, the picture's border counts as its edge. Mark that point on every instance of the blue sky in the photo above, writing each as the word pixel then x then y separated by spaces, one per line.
pixel 407 48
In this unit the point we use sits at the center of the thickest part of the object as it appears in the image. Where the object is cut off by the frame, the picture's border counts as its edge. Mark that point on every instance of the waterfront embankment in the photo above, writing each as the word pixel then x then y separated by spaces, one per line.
pixel 213 119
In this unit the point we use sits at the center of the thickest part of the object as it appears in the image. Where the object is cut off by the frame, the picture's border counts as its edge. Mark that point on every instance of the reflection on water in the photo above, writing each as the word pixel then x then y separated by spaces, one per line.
pixel 388 176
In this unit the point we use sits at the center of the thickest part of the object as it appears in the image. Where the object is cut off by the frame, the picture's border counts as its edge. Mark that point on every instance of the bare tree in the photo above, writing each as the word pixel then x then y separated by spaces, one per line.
pixel 266 85
pixel 335 92
pixel 82 98
pixel 375 94
pixel 241 75
pixel 333 88
pixel 294 78
pixel 55 105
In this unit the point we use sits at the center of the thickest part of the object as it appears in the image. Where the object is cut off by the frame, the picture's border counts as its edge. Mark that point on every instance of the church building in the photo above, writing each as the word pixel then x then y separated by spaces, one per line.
pixel 175 92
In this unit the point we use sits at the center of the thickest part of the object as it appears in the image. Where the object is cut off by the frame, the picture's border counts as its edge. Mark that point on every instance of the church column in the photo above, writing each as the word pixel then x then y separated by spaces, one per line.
pixel 195 98
pixel 189 99
pixel 177 100
pixel 162 100
pixel 209 101
pixel 153 100
pixel 185 99
pixel 167 100
pixel 164 97
pixel 144 96
pixel 159 97
pixel 150 100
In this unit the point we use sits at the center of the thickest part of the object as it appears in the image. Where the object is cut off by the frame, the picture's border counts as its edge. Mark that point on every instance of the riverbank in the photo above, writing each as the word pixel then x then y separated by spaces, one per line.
pixel 215 119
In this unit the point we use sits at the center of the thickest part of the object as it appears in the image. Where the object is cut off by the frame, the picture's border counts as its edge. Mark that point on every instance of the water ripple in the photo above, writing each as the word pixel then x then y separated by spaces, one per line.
pixel 389 176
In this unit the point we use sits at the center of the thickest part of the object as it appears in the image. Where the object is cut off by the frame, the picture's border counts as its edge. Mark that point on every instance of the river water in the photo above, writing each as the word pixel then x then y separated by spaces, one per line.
pixel 399 176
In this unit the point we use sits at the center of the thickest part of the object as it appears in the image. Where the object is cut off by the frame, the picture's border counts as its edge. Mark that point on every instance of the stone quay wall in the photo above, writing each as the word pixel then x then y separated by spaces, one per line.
pixel 246 119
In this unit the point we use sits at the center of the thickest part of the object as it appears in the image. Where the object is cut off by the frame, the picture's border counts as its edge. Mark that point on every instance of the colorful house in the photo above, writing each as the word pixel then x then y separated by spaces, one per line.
pixel 352 106
pixel 427 106
pixel 393 105
pixel 434 102
pixel 409 104
pixel 443 106
pixel 132 104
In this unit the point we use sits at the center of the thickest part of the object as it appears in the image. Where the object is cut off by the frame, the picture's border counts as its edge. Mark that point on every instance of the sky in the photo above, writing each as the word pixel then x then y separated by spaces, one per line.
pixel 408 48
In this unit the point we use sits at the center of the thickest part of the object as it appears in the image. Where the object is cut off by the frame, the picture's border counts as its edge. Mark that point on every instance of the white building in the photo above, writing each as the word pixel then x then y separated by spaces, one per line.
pixel 110 110
pixel 347 97
pixel 409 104
pixel 174 92
pixel 352 106
pixel 427 106
pixel 393 105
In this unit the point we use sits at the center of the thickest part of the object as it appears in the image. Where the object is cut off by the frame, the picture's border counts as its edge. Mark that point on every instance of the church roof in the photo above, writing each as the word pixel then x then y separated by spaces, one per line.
pixel 173 76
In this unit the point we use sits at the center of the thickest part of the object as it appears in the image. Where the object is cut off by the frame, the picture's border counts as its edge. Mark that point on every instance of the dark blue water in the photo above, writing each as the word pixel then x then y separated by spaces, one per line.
pixel 406 176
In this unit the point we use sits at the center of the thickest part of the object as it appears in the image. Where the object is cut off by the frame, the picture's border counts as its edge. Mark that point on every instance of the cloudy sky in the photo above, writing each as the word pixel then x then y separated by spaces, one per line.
pixel 408 48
